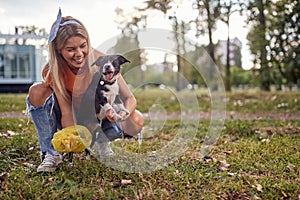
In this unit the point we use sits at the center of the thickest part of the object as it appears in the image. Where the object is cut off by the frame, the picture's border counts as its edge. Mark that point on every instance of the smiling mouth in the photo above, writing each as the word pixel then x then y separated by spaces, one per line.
pixel 79 61
pixel 108 75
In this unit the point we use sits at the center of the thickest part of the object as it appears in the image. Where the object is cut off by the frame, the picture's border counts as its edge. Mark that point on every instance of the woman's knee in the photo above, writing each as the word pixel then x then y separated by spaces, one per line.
pixel 38 93
pixel 137 118
pixel 134 124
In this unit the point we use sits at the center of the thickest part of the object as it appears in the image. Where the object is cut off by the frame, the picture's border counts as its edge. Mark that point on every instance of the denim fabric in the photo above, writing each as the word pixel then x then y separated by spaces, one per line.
pixel 47 120
pixel 112 130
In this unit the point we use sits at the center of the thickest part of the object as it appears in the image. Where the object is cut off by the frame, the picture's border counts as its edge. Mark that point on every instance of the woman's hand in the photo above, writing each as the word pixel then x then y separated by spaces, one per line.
pixel 123 114
pixel 114 116
pixel 111 115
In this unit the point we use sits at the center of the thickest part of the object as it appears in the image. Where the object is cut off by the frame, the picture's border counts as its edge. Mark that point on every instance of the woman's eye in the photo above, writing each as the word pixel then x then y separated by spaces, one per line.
pixel 83 45
pixel 70 49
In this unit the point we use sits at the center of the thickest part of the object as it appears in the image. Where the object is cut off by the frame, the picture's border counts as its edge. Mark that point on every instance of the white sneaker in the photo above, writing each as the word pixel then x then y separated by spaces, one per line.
pixel 102 150
pixel 50 163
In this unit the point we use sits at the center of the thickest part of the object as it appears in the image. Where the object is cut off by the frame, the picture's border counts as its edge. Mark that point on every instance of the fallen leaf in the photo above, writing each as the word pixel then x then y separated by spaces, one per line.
pixel 11 133
pixel 284 194
pixel 259 187
pixel 3 179
pixel 274 98
pixel 21 195
pixel 291 167
pixel 231 173
pixel 270 133
pixel 125 182
pixel 224 165
pixel 227 152
pixel 194 156
pixel 31 148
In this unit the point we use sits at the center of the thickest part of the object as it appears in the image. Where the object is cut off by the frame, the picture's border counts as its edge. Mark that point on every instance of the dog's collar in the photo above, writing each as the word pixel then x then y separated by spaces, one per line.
pixel 111 81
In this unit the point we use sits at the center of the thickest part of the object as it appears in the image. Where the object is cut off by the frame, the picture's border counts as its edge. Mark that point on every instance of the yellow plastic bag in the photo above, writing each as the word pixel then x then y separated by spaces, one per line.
pixel 72 139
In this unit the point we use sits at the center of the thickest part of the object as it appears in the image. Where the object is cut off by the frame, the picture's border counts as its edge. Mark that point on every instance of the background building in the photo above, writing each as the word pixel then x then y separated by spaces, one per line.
pixel 22 57
pixel 235 55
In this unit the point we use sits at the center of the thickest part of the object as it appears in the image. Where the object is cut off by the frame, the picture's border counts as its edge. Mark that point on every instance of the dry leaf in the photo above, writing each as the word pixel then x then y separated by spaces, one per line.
pixel 227 152
pixel 259 187
pixel 195 156
pixel 21 195
pixel 125 182
pixel 224 165
pixel 231 174
pixel 274 98
pixel 270 133
pixel 3 179
pixel 11 133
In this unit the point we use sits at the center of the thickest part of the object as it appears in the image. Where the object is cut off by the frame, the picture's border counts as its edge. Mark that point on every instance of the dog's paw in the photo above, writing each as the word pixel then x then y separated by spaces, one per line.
pixel 126 111
pixel 124 114
pixel 118 117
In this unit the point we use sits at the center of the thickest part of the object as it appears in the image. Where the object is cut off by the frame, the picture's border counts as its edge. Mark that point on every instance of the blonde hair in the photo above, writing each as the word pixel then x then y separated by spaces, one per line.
pixel 56 62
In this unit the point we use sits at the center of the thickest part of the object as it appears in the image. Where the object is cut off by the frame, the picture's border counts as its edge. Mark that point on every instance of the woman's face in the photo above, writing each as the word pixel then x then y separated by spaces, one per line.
pixel 75 51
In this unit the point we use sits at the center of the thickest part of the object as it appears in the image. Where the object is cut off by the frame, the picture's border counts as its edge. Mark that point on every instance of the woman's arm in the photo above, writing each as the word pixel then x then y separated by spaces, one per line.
pixel 67 118
pixel 133 124
pixel 126 95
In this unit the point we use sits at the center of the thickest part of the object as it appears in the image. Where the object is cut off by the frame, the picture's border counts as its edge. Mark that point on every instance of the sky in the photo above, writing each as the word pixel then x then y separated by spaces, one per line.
pixel 99 18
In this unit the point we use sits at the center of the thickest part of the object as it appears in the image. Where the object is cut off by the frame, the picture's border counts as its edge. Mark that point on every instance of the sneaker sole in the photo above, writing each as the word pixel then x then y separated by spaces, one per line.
pixel 49 169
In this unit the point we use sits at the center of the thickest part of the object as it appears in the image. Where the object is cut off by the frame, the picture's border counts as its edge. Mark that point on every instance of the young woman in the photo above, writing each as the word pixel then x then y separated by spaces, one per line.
pixel 52 104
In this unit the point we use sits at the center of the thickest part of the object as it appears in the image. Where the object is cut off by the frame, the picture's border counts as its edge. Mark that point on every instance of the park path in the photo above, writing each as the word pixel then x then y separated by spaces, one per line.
pixel 201 115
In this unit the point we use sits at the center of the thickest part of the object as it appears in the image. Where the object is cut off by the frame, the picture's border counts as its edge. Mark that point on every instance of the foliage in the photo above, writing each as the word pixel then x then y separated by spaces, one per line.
pixel 274 39
pixel 240 77
pixel 284 38
pixel 273 34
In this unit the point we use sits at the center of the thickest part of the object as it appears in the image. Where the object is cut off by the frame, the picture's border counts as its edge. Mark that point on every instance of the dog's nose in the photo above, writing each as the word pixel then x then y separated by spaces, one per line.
pixel 107 67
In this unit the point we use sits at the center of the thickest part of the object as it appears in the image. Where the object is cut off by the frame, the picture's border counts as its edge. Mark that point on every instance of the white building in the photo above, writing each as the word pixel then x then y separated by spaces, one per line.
pixel 235 47
pixel 22 58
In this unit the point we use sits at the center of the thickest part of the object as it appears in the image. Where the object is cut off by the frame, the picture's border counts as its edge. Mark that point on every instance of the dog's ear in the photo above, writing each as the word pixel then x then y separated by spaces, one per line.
pixel 119 60
pixel 101 61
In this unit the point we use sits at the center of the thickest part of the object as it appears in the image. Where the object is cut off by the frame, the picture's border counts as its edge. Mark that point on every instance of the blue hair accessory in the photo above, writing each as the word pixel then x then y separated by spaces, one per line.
pixel 54 30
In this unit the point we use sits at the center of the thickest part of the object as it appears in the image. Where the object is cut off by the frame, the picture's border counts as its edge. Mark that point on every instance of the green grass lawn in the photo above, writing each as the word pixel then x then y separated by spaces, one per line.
pixel 253 159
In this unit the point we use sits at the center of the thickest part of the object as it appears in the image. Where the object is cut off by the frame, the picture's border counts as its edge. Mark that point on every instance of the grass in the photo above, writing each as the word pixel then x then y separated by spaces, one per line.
pixel 253 159
pixel 12 102
pixel 253 102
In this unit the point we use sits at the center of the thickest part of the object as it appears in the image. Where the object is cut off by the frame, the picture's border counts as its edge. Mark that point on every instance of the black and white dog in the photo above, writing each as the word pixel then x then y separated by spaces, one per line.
pixel 107 92
pixel 103 92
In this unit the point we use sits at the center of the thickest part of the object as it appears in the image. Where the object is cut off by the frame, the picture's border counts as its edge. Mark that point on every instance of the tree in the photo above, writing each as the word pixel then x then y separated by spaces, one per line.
pixel 179 32
pixel 209 12
pixel 128 43
pixel 257 38
pixel 227 8
pixel 284 35
pixel 274 39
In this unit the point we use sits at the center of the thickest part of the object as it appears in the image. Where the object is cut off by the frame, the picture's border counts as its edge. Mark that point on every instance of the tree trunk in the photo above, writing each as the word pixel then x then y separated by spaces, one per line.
pixel 227 78
pixel 264 70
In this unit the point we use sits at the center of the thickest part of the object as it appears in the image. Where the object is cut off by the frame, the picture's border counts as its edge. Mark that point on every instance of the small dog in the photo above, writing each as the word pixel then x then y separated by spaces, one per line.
pixel 107 92
pixel 102 94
